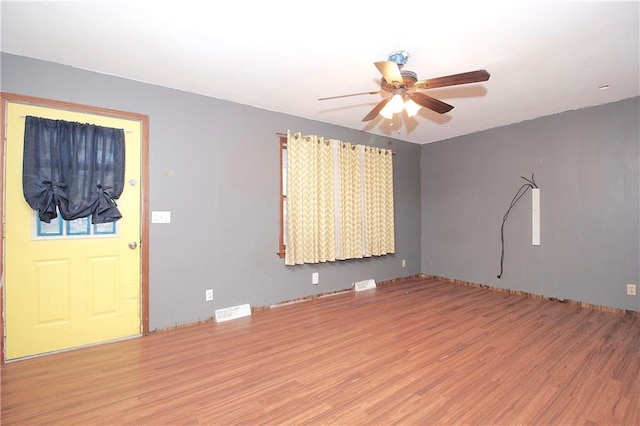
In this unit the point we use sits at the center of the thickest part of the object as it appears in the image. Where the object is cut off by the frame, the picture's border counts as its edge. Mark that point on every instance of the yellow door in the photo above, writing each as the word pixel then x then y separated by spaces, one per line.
pixel 69 284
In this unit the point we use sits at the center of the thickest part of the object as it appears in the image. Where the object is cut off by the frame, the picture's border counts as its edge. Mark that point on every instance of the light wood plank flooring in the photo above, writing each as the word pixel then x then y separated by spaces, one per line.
pixel 420 351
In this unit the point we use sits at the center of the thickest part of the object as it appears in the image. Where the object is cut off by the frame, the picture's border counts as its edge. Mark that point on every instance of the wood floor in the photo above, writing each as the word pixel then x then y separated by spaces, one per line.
pixel 416 352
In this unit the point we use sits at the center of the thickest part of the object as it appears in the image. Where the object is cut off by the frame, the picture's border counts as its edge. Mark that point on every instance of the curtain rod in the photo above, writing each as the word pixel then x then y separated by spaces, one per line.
pixel 125 130
pixel 284 134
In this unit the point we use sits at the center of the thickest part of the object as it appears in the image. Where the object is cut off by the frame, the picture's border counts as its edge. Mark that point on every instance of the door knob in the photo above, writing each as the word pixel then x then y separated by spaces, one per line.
pixel 133 245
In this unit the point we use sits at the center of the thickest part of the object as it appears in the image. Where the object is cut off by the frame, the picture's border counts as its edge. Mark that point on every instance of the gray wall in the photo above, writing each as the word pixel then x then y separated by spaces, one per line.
pixel 450 199
pixel 586 163
pixel 223 196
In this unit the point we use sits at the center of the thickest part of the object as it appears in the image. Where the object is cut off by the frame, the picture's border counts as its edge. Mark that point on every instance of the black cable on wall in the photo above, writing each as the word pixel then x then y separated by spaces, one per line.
pixel 531 183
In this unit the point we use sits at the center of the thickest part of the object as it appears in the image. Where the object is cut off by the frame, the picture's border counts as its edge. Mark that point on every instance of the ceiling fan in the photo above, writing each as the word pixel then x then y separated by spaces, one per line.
pixel 404 87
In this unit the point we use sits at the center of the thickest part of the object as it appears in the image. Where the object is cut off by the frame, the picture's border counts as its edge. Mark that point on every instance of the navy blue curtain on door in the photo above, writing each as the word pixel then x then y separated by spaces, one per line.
pixel 72 168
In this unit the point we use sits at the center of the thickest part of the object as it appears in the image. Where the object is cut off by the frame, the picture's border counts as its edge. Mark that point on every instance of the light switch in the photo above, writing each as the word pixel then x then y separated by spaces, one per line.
pixel 160 217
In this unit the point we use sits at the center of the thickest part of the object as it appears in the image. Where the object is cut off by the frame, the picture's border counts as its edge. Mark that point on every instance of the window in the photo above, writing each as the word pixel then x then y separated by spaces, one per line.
pixel 58 228
pixel 336 200
pixel 283 196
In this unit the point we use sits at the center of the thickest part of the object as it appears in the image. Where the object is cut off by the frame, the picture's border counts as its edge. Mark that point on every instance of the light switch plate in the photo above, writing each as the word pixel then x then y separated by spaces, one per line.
pixel 160 217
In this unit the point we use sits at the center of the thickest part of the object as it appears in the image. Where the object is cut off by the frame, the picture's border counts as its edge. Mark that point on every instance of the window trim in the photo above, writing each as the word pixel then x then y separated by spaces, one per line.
pixel 283 197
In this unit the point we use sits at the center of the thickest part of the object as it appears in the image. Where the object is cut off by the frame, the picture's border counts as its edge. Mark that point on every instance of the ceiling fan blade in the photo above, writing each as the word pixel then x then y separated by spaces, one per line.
pixel 454 79
pixel 376 110
pixel 352 94
pixel 431 103
pixel 390 71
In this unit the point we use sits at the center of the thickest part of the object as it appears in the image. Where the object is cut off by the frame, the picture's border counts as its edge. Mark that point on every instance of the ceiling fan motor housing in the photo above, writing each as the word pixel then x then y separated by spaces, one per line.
pixel 409 79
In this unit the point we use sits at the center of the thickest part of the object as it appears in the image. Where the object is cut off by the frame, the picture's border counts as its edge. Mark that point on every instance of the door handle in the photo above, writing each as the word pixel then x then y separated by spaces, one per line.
pixel 132 245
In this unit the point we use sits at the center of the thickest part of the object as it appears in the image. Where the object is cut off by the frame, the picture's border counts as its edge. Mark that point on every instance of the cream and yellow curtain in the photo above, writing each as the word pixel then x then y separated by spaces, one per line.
pixel 378 201
pixel 310 200
pixel 351 198
pixel 339 200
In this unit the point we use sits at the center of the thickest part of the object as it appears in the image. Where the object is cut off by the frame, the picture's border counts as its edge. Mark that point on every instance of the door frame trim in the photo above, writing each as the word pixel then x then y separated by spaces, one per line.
pixel 5 98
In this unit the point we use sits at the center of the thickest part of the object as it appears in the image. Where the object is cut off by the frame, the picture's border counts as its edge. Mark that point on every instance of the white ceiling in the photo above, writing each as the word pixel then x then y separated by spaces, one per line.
pixel 544 57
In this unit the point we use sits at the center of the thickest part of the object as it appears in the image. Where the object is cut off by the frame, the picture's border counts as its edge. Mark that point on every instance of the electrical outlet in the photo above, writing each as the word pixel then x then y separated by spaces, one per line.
pixel 315 278
pixel 404 263
pixel 631 289
pixel 208 295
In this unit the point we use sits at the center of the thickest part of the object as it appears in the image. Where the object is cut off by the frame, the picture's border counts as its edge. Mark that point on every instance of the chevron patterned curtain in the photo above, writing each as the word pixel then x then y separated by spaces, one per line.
pixel 350 187
pixel 339 200
pixel 378 200
pixel 310 200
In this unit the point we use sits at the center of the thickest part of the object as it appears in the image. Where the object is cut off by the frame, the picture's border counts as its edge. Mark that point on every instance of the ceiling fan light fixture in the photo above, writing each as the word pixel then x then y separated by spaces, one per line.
pixel 411 107
pixel 394 106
